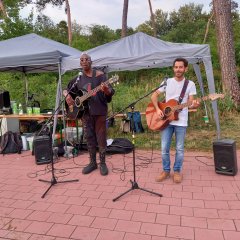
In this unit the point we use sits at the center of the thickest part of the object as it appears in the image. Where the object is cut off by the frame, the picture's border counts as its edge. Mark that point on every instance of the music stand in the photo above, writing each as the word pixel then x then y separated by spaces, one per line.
pixel 134 182
pixel 54 181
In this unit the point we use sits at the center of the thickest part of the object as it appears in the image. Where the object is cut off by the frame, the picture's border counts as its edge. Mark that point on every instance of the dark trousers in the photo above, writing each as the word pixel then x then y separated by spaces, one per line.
pixel 95 132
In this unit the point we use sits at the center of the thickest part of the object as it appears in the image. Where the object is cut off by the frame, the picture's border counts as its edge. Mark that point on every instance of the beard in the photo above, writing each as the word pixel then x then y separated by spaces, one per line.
pixel 179 74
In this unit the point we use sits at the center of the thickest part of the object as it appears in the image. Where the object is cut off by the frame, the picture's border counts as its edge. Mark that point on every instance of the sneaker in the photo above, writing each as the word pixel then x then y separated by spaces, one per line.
pixel 164 175
pixel 177 177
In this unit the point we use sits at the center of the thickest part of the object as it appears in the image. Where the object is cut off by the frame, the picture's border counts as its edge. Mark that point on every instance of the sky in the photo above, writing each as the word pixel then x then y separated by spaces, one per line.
pixel 109 12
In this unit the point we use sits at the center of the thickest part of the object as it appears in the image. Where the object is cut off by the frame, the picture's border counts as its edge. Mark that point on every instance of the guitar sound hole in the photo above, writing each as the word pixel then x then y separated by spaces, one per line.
pixel 167 111
pixel 78 102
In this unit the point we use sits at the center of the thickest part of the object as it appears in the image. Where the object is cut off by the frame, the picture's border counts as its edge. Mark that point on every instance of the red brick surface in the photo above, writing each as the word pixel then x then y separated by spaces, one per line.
pixel 204 206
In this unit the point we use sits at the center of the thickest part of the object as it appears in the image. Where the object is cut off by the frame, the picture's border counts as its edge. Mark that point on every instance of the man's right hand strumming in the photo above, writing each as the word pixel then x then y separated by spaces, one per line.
pixel 159 113
pixel 68 99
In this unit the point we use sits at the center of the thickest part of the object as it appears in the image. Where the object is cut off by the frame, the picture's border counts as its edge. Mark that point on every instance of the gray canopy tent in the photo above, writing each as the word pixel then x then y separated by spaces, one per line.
pixel 35 54
pixel 141 51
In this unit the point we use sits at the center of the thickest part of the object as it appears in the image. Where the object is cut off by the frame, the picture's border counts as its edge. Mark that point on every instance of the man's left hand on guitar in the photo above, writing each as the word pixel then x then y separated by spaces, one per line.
pixel 105 89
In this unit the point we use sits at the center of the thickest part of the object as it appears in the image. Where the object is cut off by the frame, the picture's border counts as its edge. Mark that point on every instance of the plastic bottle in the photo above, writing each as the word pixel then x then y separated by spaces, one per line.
pixel 20 109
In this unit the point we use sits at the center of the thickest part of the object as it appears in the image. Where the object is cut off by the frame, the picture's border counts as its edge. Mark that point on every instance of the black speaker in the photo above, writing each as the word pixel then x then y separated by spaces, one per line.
pixel 4 100
pixel 42 148
pixel 225 157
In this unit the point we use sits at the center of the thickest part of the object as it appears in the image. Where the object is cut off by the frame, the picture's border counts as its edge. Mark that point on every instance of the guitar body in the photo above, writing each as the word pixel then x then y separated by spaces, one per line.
pixel 81 99
pixel 73 112
pixel 154 122
pixel 171 109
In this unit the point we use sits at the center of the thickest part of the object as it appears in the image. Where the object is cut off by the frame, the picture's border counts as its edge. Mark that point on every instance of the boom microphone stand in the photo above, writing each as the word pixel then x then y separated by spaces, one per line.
pixel 134 182
pixel 54 181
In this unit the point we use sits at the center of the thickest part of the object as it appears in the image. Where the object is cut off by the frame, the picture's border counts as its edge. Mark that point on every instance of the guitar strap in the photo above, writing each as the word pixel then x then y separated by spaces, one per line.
pixel 94 73
pixel 183 91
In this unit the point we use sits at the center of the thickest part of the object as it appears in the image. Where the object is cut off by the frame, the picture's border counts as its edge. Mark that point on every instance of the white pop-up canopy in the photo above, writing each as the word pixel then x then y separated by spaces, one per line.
pixel 141 51
pixel 34 54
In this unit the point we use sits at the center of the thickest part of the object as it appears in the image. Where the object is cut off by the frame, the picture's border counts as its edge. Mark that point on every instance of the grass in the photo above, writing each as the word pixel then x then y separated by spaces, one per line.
pixel 200 135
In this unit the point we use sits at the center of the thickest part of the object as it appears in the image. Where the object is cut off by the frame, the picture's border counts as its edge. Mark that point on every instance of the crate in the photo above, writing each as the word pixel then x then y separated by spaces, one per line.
pixel 71 133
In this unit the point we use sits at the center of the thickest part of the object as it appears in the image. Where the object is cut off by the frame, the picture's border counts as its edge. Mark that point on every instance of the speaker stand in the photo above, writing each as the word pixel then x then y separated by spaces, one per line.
pixel 54 180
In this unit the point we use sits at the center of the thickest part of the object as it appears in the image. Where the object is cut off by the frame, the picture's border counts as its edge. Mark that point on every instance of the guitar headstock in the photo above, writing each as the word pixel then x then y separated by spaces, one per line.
pixel 114 79
pixel 214 96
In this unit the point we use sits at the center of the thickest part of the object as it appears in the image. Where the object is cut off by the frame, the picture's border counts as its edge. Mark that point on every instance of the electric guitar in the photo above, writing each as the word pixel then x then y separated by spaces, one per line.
pixel 170 110
pixel 81 100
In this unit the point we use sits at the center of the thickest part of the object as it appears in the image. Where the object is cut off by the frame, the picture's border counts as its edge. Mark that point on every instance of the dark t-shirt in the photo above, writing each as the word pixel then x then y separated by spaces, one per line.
pixel 98 102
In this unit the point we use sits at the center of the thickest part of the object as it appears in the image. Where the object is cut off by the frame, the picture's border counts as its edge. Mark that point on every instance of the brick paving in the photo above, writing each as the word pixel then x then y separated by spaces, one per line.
pixel 204 206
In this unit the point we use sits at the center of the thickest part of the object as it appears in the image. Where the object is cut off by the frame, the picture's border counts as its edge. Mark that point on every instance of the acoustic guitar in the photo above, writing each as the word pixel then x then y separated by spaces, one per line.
pixel 81 100
pixel 170 110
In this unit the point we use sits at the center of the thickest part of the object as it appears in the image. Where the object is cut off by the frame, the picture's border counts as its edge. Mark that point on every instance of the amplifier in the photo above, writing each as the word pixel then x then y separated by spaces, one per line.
pixel 42 148
pixel 225 157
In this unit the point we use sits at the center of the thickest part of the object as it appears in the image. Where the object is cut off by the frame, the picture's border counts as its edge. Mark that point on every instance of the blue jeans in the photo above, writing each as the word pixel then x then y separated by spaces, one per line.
pixel 166 140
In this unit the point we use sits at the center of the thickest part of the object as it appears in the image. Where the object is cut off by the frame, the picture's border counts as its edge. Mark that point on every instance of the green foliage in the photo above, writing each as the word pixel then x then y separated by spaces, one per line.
pixel 41 4
pixel 145 28
pixel 118 32
pixel 45 92
pixel 14 25
pixel 82 43
pixel 162 22
pixel 100 35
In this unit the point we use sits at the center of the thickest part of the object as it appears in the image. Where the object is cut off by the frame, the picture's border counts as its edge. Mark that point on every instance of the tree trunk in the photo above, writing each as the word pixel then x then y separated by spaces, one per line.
pixel 69 23
pixel 152 19
pixel 124 19
pixel 2 8
pixel 207 28
pixel 223 18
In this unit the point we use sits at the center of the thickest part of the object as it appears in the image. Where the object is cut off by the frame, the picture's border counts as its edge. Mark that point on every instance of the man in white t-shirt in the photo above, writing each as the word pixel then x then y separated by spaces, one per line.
pixel 173 89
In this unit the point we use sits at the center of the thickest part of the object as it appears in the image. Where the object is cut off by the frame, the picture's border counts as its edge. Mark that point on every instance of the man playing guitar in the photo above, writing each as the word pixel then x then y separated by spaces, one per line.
pixel 95 111
pixel 173 89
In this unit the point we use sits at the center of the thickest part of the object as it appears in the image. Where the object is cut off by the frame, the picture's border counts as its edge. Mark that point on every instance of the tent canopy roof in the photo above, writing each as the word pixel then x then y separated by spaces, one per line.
pixel 33 53
pixel 140 51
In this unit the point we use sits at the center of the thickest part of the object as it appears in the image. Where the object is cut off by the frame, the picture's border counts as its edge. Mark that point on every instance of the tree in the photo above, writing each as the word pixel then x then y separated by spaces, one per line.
pixel 152 19
pixel 124 19
pixel 2 8
pixel 68 12
pixel 162 22
pixel 145 28
pixel 223 19
pixel 13 25
pixel 100 34
pixel 207 28
pixel 41 4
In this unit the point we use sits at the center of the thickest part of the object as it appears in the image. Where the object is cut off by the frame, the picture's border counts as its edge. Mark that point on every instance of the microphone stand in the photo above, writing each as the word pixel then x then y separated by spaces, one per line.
pixel 134 182
pixel 54 181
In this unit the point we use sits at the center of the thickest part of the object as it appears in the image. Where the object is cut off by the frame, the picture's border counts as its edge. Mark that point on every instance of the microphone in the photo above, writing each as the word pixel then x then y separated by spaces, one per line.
pixel 79 75
pixel 164 82
pixel 78 78
pixel 165 78
pixel 75 83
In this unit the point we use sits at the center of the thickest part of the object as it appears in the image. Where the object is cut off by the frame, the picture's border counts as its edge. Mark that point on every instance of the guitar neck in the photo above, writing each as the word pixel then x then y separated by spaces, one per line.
pixel 93 91
pixel 189 103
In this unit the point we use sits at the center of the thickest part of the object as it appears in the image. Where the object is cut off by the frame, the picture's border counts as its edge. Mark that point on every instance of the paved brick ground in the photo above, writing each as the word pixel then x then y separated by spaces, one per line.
pixel 204 206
